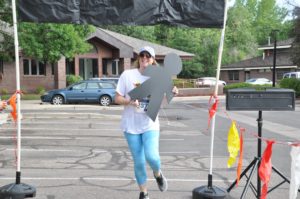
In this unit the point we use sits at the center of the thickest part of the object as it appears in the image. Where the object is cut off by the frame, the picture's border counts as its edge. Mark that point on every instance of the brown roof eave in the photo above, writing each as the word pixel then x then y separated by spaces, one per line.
pixel 125 50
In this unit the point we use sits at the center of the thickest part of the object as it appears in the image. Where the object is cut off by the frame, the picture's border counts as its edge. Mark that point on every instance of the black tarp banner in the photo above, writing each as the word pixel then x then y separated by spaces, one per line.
pixel 189 13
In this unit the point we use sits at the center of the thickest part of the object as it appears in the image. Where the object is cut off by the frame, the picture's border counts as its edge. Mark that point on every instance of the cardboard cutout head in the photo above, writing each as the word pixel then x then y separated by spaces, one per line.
pixel 173 64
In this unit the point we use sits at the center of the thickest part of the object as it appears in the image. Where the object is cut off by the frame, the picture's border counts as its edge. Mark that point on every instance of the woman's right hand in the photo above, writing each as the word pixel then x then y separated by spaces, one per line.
pixel 134 103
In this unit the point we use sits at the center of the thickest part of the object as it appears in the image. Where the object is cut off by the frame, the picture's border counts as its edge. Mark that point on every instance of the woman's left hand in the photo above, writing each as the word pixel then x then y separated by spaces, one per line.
pixel 3 104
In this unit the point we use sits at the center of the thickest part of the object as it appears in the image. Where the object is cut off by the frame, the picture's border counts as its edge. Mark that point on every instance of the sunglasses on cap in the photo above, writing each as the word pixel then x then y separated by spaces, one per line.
pixel 144 54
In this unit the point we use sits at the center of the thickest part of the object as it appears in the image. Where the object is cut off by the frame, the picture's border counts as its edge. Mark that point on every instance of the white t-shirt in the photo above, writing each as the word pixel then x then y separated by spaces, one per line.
pixel 133 120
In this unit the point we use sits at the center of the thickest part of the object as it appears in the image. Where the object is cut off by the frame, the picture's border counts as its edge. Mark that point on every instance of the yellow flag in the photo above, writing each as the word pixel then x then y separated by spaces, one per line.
pixel 233 144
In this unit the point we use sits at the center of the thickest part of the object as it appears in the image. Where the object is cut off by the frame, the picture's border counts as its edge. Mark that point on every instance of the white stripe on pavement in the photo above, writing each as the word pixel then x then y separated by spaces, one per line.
pixel 105 151
pixel 72 138
pixel 66 129
pixel 111 179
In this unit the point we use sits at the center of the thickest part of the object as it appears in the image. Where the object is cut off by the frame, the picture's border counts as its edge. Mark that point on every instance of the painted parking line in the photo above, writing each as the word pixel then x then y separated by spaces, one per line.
pixel 116 152
pixel 64 122
pixel 58 129
pixel 111 179
pixel 73 138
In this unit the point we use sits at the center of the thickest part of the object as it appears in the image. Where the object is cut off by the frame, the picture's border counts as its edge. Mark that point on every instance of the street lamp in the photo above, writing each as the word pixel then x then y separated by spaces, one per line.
pixel 274 32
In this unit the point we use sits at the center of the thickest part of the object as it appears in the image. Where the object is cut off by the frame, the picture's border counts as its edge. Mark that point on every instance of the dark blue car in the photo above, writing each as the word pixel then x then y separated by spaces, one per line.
pixel 88 91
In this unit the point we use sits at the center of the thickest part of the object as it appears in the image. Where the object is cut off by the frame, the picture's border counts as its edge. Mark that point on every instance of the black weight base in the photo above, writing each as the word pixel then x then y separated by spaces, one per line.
pixel 205 192
pixel 17 191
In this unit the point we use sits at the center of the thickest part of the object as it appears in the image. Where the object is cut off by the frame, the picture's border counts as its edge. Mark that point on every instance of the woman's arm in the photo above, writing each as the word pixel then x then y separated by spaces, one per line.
pixel 119 99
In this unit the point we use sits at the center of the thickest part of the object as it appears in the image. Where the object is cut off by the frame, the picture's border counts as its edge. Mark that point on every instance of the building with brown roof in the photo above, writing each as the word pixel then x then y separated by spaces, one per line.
pixel 261 66
pixel 112 53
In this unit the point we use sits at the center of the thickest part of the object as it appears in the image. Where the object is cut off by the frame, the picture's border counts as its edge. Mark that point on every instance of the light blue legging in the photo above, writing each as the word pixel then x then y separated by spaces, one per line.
pixel 144 147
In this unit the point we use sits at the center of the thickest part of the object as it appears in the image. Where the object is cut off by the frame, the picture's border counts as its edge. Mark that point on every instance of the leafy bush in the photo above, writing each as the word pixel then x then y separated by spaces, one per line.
pixel 23 97
pixel 40 90
pixel 71 79
pixel 291 83
pixel 183 83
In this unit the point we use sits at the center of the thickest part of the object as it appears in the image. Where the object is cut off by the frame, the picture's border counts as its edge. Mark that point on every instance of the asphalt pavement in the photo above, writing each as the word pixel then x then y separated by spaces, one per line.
pixel 78 151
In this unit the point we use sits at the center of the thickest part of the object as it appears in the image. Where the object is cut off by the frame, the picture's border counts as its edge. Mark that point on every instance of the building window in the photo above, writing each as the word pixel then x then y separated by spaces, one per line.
pixel 233 75
pixel 70 66
pixel 26 66
pixel 115 67
pixel 33 67
pixel 42 68
pixel 52 69
pixel 1 69
pixel 1 66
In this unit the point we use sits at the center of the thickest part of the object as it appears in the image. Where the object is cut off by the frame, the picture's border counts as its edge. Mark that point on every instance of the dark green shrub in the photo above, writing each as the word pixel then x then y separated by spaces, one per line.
pixel 71 79
pixel 246 85
pixel 291 83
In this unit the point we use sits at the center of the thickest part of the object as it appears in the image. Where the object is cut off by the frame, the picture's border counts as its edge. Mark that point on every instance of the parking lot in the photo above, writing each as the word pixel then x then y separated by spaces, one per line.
pixel 78 151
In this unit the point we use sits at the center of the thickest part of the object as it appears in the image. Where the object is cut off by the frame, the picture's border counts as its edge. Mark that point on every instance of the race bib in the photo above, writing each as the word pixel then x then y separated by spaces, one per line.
pixel 142 107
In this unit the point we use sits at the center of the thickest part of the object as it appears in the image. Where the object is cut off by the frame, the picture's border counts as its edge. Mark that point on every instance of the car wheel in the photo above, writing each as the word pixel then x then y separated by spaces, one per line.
pixel 57 100
pixel 105 100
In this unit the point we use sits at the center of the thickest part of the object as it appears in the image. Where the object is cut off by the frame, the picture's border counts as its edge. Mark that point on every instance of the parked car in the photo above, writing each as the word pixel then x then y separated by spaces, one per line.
pixel 259 81
pixel 110 79
pixel 88 91
pixel 291 75
pixel 208 81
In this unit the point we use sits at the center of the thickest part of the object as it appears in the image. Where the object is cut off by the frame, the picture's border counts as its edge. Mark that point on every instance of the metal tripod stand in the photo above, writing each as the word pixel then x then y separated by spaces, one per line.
pixel 254 165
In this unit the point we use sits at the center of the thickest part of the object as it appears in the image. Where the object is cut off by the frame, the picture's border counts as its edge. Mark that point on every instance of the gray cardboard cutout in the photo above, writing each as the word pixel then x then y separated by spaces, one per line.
pixel 159 84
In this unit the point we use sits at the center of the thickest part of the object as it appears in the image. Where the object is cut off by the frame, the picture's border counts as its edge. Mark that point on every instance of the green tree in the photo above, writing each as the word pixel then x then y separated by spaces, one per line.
pixel 6 47
pixel 6 35
pixel 269 17
pixel 48 42
pixel 240 42
pixel 296 43
pixel 201 42
pixel 161 34
pixel 207 50
pixel 251 6
pixel 5 11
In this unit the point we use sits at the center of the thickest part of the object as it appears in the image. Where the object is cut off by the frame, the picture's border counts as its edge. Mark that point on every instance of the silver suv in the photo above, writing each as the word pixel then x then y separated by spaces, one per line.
pixel 292 75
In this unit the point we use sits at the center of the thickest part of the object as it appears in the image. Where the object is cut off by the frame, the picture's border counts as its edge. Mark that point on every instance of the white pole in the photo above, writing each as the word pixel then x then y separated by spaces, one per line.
pixel 216 88
pixel 16 39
